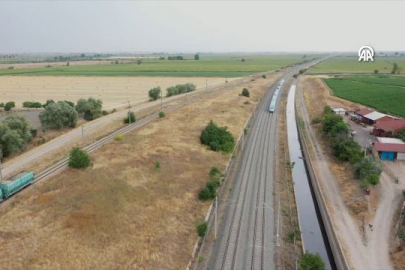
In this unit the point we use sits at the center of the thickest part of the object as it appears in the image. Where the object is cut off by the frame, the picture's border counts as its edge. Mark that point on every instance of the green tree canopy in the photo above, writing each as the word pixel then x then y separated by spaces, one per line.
pixel 15 132
pixel 58 115
pixel 79 159
pixel 217 138
pixel 154 93
pixel 196 56
pixel 90 108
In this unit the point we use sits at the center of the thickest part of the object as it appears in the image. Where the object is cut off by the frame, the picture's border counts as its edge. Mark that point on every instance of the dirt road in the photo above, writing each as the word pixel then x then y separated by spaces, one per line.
pixel 364 250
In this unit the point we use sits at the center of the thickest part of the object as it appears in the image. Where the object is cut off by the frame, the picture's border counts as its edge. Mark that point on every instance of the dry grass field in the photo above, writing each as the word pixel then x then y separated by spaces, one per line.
pixel 123 212
pixel 113 91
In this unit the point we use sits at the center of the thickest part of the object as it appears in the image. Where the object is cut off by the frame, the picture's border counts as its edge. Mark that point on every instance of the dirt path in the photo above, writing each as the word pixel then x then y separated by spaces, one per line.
pixel 364 251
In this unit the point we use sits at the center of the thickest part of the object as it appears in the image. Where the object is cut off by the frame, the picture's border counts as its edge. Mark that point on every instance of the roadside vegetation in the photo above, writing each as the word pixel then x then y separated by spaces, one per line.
pixel 58 115
pixel 78 159
pixel 245 92
pixel 180 89
pixel 311 261
pixel 154 93
pixel 346 149
pixel 211 187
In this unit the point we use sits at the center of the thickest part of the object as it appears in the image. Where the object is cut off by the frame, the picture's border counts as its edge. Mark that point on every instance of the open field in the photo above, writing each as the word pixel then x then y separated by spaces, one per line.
pixel 350 64
pixel 112 91
pixel 377 93
pixel 123 212
pixel 211 66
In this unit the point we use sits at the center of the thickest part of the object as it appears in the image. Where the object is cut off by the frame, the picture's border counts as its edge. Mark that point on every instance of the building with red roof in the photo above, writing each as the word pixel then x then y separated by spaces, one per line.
pixel 389 151
pixel 388 128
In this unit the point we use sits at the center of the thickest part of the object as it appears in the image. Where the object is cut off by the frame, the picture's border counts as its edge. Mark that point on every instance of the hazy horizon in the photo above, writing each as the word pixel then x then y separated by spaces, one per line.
pixel 198 26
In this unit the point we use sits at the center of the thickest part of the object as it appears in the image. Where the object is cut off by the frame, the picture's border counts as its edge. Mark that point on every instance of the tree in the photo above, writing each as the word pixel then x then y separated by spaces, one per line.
pixel 375 71
pixel 58 115
pixel 217 138
pixel 90 108
pixel 311 262
pixel 15 132
pixel 367 167
pixel 49 101
pixel 243 60
pixel 9 105
pixel 154 93
pixel 82 55
pixel 245 92
pixel 133 118
pixel 196 56
pixel 162 114
pixel 202 229
pixel 79 159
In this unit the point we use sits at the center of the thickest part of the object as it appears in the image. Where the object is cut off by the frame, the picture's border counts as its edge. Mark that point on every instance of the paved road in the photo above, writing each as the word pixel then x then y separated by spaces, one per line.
pixel 246 233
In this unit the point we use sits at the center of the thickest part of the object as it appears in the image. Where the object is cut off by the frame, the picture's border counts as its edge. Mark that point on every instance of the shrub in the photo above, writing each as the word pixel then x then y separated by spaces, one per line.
pixel 78 159
pixel 214 171
pixel 33 132
pixel 264 76
pixel 2 105
pixel 364 183
pixel 245 92
pixel 311 262
pixel 49 101
pixel 70 103
pixel 119 137
pixel 157 165
pixel 104 112
pixel 162 114
pixel 27 104
pixel 346 150
pixel 217 138
pixel 367 167
pixel 180 89
pixel 316 120
pixel 41 141
pixel 154 93
pixel 9 105
pixel 202 228
pixel 205 194
pixel 373 179
pixel 131 117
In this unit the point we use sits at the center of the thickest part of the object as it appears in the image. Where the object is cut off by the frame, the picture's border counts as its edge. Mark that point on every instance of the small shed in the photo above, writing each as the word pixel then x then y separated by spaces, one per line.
pixel 389 151
pixel 339 111
pixel 388 128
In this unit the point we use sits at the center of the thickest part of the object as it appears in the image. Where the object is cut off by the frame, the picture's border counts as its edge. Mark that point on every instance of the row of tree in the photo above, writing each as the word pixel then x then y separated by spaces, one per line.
pixel 8 105
pixel 156 92
pixel 65 114
pixel 348 150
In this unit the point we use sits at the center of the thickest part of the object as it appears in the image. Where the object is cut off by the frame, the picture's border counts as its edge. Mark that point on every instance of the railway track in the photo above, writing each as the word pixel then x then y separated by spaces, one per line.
pixel 245 245
pixel 63 164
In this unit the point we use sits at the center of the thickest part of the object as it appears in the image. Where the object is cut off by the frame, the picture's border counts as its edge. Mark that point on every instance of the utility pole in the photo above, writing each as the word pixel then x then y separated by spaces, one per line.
pixel 83 142
pixel 161 100
pixel 129 110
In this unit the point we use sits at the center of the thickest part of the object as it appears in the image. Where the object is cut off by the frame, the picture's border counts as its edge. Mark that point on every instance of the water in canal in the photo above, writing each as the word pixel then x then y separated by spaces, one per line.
pixel 310 222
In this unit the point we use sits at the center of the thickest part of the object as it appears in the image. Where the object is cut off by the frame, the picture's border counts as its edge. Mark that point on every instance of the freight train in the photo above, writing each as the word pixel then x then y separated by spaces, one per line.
pixel 273 101
pixel 15 184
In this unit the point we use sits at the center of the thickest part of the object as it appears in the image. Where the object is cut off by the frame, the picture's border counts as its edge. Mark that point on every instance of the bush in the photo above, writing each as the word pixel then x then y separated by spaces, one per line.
pixel 245 92
pixel 131 117
pixel 154 93
pixel 9 105
pixel 214 171
pixel 311 262
pixel 71 104
pixel 162 114
pixel 2 105
pixel 316 120
pixel 104 113
pixel 49 101
pixel 367 167
pixel 264 76
pixel 27 104
pixel 205 194
pixel 33 132
pixel 346 150
pixel 119 137
pixel 41 141
pixel 58 115
pixel 373 179
pixel 157 165
pixel 202 228
pixel 78 159
pixel 217 138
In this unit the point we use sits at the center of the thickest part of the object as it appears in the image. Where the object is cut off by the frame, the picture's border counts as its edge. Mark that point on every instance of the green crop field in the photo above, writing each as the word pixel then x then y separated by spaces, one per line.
pixel 386 95
pixel 350 64
pixel 207 66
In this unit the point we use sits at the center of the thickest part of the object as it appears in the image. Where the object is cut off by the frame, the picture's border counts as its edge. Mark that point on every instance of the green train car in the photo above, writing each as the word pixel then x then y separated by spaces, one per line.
pixel 15 183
